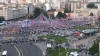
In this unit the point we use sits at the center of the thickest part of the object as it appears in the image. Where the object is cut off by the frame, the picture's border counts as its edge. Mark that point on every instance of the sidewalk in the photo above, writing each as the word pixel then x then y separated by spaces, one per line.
pixel 84 41
pixel 43 47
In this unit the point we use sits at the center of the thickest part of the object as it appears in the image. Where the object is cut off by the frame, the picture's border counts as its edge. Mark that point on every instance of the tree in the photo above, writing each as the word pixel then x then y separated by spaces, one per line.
pixel 95 48
pixel 38 11
pixel 2 19
pixel 91 14
pixel 44 13
pixel 64 15
pixel 66 10
pixel 59 15
pixel 30 17
pixel 91 5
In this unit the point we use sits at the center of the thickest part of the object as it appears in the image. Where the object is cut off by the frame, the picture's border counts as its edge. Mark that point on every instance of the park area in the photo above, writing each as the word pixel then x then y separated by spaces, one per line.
pixel 57 39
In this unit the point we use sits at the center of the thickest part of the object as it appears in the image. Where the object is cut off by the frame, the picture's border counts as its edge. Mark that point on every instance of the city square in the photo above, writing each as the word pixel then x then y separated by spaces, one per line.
pixel 49 27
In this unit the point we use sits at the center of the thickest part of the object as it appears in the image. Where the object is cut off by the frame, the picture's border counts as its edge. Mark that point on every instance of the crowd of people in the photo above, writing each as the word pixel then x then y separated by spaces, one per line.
pixel 38 28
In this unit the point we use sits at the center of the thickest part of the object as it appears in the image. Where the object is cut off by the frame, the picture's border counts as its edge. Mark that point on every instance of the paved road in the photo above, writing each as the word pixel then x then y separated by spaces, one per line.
pixel 11 49
pixel 29 50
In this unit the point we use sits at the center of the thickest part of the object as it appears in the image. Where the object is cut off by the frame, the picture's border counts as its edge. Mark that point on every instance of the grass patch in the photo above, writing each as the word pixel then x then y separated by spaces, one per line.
pixel 59 51
pixel 84 28
pixel 57 39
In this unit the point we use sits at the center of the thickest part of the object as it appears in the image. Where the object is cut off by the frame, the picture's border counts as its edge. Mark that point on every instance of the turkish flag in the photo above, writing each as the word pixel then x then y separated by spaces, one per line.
pixel 68 15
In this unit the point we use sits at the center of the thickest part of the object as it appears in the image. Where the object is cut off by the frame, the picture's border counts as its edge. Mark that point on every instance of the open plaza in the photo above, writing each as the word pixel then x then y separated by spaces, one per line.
pixel 62 36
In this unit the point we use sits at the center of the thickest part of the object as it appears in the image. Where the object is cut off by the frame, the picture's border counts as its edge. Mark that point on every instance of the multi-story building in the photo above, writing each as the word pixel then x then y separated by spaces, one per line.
pixel 12 13
pixel 42 1
pixel 29 1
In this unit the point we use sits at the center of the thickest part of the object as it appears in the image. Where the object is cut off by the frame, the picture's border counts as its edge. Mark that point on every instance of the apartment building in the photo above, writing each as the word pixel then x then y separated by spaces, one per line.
pixel 84 4
pixel 12 13
pixel 86 12
pixel 42 1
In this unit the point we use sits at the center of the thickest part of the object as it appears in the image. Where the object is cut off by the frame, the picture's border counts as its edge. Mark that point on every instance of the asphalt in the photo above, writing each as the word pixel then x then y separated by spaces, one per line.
pixel 11 49
pixel 30 50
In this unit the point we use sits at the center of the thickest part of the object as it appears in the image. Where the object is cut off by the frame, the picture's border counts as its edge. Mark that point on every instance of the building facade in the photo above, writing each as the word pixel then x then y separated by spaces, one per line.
pixel 12 13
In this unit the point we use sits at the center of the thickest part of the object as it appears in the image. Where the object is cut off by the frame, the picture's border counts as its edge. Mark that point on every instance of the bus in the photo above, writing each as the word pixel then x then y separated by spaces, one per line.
pixel 4 53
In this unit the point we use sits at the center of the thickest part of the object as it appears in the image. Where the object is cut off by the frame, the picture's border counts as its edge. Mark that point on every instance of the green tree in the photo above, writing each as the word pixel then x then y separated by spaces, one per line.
pixel 64 15
pixel 66 10
pixel 44 13
pixel 30 17
pixel 38 11
pixel 2 19
pixel 59 15
pixel 95 48
pixel 91 5
pixel 91 14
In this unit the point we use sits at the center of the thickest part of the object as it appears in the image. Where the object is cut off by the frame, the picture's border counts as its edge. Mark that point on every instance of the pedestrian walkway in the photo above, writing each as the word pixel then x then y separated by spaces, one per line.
pixel 86 40
pixel 43 47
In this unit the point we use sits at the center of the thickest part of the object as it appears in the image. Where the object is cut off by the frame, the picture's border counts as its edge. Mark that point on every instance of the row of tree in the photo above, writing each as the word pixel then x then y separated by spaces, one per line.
pixel 38 11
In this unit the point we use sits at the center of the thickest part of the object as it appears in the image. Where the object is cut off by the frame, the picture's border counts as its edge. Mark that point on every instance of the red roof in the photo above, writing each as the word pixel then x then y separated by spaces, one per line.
pixel 51 12
pixel 60 10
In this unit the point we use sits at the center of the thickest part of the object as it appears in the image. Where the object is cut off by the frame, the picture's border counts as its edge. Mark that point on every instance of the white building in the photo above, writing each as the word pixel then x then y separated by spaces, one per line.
pixel 86 12
pixel 14 1
pixel 48 6
pixel 56 4
pixel 93 0
pixel 42 1
pixel 29 1
pixel 12 13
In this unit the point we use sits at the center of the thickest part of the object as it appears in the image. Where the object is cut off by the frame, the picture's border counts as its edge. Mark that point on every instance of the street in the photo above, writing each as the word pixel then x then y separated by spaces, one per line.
pixel 11 49
pixel 29 50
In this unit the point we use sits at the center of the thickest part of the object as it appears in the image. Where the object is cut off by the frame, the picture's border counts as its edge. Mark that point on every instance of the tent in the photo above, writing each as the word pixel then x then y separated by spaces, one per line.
pixel 41 19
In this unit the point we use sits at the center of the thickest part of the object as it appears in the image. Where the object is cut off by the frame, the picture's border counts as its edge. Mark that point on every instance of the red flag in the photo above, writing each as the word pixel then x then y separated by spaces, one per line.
pixel 69 15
